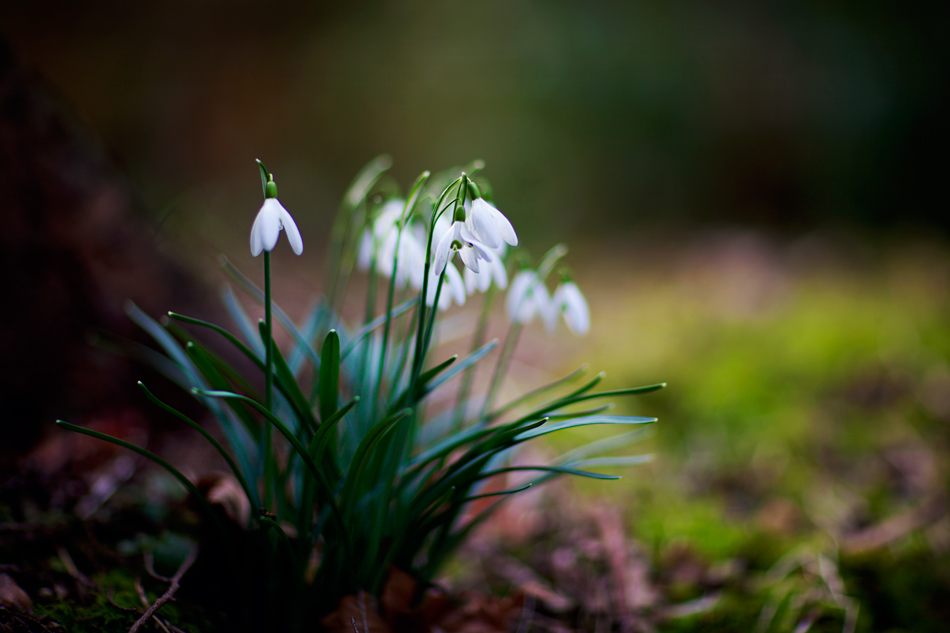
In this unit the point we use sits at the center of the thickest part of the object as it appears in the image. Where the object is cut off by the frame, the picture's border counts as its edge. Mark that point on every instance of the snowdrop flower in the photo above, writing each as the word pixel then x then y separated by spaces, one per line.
pixel 411 265
pixel 528 298
pixel 495 271
pixel 375 235
pixel 489 225
pixel 569 300
pixel 458 239
pixel 269 221
pixel 453 288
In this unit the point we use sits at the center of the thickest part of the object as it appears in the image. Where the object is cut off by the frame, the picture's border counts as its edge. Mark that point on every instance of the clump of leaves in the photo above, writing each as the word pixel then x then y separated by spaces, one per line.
pixel 351 471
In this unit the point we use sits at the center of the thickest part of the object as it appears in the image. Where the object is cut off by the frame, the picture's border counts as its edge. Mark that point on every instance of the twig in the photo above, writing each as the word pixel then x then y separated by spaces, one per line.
pixel 144 600
pixel 150 567
pixel 175 580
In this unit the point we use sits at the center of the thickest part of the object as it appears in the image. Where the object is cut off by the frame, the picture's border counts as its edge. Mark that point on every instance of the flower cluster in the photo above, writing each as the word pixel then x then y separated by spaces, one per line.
pixel 480 234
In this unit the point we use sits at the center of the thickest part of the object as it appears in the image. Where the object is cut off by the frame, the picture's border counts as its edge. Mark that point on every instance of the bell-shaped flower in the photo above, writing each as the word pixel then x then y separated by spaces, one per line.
pixel 489 225
pixel 410 265
pixel 374 236
pixel 569 301
pixel 458 239
pixel 453 288
pixel 528 298
pixel 494 271
pixel 267 226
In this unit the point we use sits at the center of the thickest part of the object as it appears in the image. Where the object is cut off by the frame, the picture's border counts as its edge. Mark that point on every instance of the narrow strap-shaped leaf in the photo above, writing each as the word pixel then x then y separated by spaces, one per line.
pixel 233 430
pixel 624 460
pixel 242 321
pixel 248 491
pixel 230 373
pixel 184 481
pixel 322 438
pixel 329 387
pixel 265 176
pixel 607 444
pixel 309 326
pixel 301 451
pixel 566 380
pixel 566 470
pixel 217 381
pixel 590 396
pixel 580 414
pixel 352 482
pixel 361 333
pixel 257 294
pixel 421 385
pixel 244 349
pixel 570 424
pixel 469 361
pixel 317 446
pixel 288 384
pixel 496 494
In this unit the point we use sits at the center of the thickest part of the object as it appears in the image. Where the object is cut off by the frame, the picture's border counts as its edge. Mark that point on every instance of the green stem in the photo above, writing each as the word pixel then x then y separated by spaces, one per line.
pixel 477 341
pixel 268 381
pixel 501 368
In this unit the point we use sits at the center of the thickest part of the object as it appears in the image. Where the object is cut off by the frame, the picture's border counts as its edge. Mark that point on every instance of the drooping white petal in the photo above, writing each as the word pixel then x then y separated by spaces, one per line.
pixel 498 273
pixel 481 223
pixel 266 227
pixel 256 244
pixel 576 311
pixel 481 252
pixel 290 227
pixel 387 218
pixel 469 257
pixel 364 257
pixel 505 229
pixel 527 298
pixel 456 285
pixel 442 252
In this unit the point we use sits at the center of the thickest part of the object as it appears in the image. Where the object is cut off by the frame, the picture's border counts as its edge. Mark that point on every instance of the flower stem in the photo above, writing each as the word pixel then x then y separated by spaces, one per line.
pixel 507 351
pixel 477 341
pixel 268 380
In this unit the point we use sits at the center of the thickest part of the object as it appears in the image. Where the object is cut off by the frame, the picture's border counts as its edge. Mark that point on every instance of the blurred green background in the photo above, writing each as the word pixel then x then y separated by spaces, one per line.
pixel 754 193
pixel 592 116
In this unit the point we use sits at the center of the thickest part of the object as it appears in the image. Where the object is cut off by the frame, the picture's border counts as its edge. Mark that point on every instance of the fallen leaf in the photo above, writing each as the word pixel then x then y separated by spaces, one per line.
pixel 12 596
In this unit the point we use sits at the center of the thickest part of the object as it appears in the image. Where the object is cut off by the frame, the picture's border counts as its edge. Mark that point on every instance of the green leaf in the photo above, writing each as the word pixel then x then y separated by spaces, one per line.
pixel 184 481
pixel 329 375
pixel 265 176
pixel 421 385
pixel 288 385
pixel 560 404
pixel 470 360
pixel 353 482
pixel 496 494
pixel 570 424
pixel 566 380
pixel 566 470
pixel 258 296
pixel 248 491
pixel 301 451
pixel 217 381
pixel 624 460
pixel 360 334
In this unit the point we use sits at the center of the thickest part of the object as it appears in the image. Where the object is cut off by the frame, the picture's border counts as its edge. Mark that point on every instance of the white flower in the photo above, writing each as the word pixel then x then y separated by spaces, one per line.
pixel 458 239
pixel 528 298
pixel 374 236
pixel 453 288
pixel 495 271
pixel 411 264
pixel 267 226
pixel 489 225
pixel 569 300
